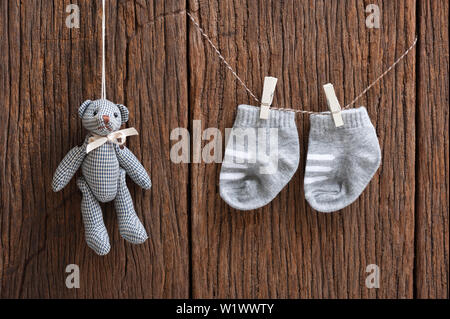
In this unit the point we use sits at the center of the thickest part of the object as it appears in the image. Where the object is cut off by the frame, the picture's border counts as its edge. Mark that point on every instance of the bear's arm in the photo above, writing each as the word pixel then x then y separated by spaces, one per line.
pixel 68 167
pixel 133 167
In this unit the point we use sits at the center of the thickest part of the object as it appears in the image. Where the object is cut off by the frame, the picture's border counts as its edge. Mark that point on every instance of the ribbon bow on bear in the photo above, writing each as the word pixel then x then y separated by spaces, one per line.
pixel 118 137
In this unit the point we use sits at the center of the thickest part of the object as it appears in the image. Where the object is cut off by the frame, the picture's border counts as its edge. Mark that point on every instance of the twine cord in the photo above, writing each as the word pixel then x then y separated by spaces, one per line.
pixel 224 61
pixel 103 92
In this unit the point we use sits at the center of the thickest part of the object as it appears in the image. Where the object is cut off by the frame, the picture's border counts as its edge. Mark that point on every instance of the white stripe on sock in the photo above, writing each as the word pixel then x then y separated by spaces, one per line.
pixel 311 180
pixel 315 169
pixel 238 154
pixel 231 176
pixel 233 165
pixel 320 157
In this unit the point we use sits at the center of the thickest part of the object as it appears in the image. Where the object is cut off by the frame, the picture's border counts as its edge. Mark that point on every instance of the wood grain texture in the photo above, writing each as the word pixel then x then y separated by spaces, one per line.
pixel 47 71
pixel 432 226
pixel 286 250
pixel 160 67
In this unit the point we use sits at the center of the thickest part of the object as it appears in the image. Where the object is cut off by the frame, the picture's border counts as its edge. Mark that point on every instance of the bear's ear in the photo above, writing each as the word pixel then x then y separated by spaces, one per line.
pixel 124 112
pixel 83 108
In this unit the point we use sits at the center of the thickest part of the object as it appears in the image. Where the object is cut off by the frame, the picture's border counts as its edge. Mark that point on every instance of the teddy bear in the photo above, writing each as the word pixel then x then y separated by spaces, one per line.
pixel 104 162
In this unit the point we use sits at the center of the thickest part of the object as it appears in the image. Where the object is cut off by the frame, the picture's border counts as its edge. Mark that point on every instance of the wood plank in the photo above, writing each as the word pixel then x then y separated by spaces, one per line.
pixel 286 250
pixel 432 205
pixel 47 71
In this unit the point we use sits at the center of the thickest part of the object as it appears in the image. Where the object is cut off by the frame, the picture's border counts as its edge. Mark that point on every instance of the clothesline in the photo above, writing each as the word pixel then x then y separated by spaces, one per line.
pixel 236 76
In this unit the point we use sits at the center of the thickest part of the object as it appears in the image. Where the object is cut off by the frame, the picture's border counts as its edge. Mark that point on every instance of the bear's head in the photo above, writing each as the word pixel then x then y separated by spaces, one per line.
pixel 102 117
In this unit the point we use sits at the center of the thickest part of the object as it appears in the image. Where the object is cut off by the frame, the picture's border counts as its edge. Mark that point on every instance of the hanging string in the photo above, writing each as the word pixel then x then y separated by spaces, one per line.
pixel 382 75
pixel 224 61
pixel 199 28
pixel 103 93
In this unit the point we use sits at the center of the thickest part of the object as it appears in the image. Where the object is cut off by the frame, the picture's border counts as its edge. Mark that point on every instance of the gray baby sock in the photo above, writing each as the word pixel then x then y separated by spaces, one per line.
pixel 341 161
pixel 260 158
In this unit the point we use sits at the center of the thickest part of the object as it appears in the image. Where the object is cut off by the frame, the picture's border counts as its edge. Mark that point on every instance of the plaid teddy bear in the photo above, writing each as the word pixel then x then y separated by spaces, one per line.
pixel 104 162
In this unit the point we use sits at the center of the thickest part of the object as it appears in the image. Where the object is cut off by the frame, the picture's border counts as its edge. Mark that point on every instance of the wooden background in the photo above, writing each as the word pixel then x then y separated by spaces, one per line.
pixel 160 67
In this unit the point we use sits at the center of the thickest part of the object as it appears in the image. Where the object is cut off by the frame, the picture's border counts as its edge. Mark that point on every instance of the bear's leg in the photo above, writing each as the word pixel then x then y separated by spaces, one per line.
pixel 130 227
pixel 94 228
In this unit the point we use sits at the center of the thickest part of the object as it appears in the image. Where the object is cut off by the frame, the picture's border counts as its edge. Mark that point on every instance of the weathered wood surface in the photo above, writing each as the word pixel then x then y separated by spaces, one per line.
pixel 286 249
pixel 432 227
pixel 46 72
pixel 160 67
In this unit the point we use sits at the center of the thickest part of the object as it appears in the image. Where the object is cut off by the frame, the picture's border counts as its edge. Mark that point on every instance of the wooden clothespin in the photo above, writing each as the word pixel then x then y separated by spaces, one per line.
pixel 333 104
pixel 267 97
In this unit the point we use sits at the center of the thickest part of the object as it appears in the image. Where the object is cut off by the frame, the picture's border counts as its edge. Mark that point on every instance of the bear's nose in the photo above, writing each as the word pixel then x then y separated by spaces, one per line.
pixel 105 119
